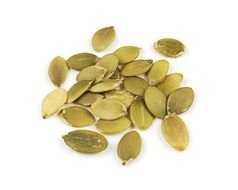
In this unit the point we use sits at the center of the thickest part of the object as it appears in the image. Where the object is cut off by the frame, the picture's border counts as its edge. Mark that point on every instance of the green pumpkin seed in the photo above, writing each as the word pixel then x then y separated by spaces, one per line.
pixel 126 98
pixel 108 109
pixel 180 100
pixel 113 126
pixel 171 83
pixel 116 74
pixel 82 60
pixel 129 147
pixel 106 86
pixel 85 141
pixel 169 47
pixel 103 38
pixel 140 115
pixel 135 85
pixel 155 101
pixel 53 102
pixel 127 54
pixel 137 67
pixel 75 116
pixel 58 71
pixel 158 72
pixel 88 98
pixel 175 132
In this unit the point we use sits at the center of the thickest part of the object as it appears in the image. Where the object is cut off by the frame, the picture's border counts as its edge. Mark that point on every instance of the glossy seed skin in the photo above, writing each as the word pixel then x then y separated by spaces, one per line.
pixel 88 98
pixel 127 54
pixel 126 98
pixel 85 141
pixel 135 85
pixel 106 86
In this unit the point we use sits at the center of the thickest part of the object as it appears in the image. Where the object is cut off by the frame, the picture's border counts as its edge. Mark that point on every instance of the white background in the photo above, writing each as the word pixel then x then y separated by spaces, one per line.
pixel 32 153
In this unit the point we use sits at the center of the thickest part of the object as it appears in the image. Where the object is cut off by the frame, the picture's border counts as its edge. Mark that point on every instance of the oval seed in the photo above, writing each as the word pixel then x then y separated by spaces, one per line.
pixel 158 72
pixel 169 47
pixel 88 98
pixel 108 109
pixel 116 74
pixel 126 98
pixel 75 116
pixel 85 141
pixel 156 102
pixel 103 38
pixel 135 85
pixel 170 83
pixel 129 147
pixel 113 126
pixel 82 60
pixel 53 102
pixel 127 54
pixel 58 71
pixel 180 100
pixel 140 115
pixel 136 67
pixel 106 86
pixel 175 132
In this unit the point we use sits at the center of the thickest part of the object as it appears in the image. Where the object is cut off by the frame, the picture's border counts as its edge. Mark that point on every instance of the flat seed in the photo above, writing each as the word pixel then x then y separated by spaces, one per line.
pixel 88 98
pixel 127 54
pixel 75 116
pixel 82 60
pixel 155 101
pixel 180 100
pixel 106 86
pixel 113 126
pixel 116 74
pixel 158 72
pixel 140 115
pixel 136 67
pixel 77 90
pixel 169 47
pixel 94 73
pixel 126 98
pixel 175 132
pixel 129 147
pixel 171 83
pixel 58 71
pixel 85 141
pixel 103 38
pixel 53 102
pixel 135 85
pixel 108 109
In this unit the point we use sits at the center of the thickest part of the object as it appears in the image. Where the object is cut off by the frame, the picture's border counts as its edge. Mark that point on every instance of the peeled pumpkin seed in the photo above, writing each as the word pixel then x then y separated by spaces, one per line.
pixel 106 86
pixel 53 102
pixel 136 67
pixel 116 74
pixel 175 132
pixel 85 141
pixel 169 47
pixel 129 147
pixel 158 72
pixel 180 100
pixel 127 54
pixel 170 83
pixel 135 85
pixel 126 98
pixel 103 38
pixel 88 98
pixel 108 109
pixel 156 102
pixel 82 60
pixel 58 71
pixel 78 89
pixel 140 115
pixel 113 126
pixel 75 116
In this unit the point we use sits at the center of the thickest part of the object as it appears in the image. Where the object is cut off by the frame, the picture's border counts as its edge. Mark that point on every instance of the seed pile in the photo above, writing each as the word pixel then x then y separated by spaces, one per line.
pixel 119 91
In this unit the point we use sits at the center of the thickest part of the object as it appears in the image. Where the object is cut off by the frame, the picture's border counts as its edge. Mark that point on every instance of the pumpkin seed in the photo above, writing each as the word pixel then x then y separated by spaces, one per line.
pixel 108 109
pixel 103 38
pixel 155 101
pixel 180 100
pixel 170 83
pixel 169 47
pixel 175 132
pixel 82 60
pixel 140 115
pixel 113 126
pixel 135 85
pixel 75 116
pixel 116 74
pixel 53 102
pixel 86 141
pixel 106 86
pixel 126 98
pixel 158 72
pixel 127 54
pixel 88 98
pixel 129 147
pixel 136 67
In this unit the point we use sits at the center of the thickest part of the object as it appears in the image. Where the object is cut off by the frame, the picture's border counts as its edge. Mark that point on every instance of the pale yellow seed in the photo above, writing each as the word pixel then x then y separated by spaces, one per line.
pixel 127 54
pixel 106 86
pixel 136 67
pixel 88 98
pixel 126 98
pixel 135 85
